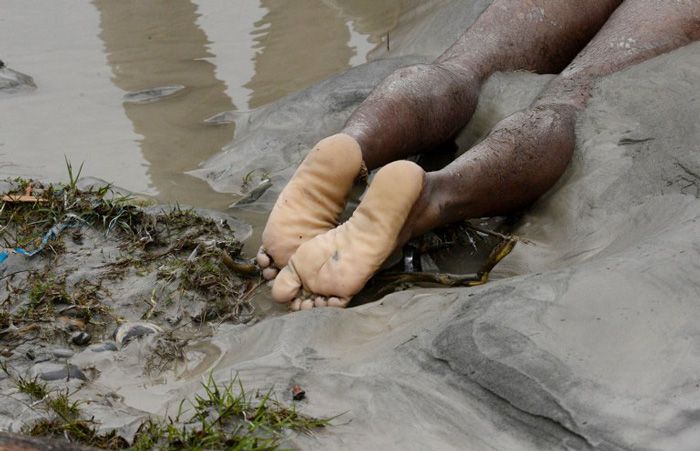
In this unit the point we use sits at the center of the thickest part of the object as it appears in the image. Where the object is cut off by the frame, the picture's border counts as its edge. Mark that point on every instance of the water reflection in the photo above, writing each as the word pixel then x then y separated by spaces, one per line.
pixel 293 56
pixel 306 41
pixel 290 45
pixel 157 42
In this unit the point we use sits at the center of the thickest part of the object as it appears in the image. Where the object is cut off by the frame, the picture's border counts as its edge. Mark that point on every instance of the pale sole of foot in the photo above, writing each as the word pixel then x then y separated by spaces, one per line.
pixel 312 201
pixel 336 265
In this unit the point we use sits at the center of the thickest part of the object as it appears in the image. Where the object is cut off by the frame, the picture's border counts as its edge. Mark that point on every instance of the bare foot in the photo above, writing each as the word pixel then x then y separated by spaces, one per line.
pixel 336 265
pixel 312 201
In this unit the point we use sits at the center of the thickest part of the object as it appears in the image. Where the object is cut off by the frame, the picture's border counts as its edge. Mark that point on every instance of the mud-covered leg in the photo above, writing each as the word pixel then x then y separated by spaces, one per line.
pixel 418 108
pixel 519 161
pixel 528 152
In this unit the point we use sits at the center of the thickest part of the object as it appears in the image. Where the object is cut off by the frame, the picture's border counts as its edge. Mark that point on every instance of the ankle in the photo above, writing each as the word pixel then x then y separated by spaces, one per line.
pixel 430 208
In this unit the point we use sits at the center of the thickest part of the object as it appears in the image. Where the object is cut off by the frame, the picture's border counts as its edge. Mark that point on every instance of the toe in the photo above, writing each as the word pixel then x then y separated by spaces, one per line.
pixel 337 302
pixel 295 305
pixel 262 258
pixel 287 285
pixel 307 304
pixel 269 273
pixel 320 301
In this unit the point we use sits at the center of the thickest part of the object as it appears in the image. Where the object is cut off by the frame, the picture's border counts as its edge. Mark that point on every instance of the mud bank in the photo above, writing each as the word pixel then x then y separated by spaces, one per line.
pixel 584 339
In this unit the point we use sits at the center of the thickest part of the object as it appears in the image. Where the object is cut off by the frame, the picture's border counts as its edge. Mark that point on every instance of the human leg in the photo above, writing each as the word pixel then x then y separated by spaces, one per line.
pixel 524 155
pixel 527 152
pixel 419 107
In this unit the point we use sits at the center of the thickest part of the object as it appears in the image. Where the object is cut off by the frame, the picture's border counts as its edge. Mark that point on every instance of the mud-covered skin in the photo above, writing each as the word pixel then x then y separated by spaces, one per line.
pixel 420 107
pixel 522 157
pixel 337 264
pixel 312 201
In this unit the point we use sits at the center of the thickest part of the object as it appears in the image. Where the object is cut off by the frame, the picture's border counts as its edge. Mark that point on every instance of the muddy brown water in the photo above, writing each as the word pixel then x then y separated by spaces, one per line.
pixel 85 57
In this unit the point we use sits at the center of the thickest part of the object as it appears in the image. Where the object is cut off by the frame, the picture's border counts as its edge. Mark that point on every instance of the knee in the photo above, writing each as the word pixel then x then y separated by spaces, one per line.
pixel 414 73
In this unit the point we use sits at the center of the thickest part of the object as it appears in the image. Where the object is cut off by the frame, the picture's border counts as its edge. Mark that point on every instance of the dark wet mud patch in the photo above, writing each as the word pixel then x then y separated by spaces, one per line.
pixel 461 255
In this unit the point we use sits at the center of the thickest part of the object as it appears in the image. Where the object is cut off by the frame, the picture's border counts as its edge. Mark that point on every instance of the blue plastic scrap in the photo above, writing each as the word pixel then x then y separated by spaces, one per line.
pixel 53 233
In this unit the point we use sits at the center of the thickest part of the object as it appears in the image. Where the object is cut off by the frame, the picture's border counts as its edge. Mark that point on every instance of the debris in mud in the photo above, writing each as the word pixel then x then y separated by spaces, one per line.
pixel 463 254
pixel 85 261
pixel 80 338
pixel 53 371
pixel 298 393
pixel 12 81
pixel 26 197
pixel 78 264
pixel 152 94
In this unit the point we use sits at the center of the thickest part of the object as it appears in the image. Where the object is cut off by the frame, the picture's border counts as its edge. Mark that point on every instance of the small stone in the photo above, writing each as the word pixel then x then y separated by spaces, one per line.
pixel 80 338
pixel 62 353
pixel 126 332
pixel 54 371
pixel 106 346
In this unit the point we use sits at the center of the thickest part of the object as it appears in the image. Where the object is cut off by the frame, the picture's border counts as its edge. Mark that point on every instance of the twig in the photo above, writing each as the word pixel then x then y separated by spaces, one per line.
pixel 495 234
pixel 252 290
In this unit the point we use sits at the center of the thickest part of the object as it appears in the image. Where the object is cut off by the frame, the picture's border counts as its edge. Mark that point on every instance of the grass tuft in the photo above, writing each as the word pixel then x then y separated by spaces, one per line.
pixel 222 417
pixel 32 387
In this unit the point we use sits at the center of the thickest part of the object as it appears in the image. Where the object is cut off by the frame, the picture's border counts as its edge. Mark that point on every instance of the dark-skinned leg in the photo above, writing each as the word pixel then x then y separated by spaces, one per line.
pixel 527 152
pixel 419 107
pixel 519 161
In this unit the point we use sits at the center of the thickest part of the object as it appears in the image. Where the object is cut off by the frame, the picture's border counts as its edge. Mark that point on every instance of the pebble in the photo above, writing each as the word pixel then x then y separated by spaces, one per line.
pixel 126 332
pixel 106 346
pixel 62 353
pixel 53 371
pixel 80 338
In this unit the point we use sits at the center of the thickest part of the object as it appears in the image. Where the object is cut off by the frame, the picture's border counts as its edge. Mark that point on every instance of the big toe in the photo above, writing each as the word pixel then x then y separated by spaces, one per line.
pixel 286 285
